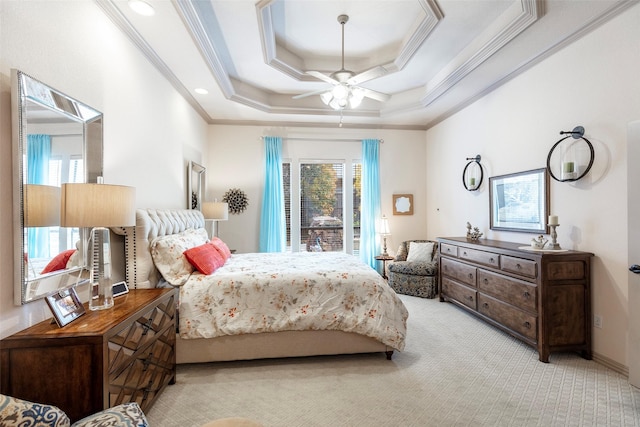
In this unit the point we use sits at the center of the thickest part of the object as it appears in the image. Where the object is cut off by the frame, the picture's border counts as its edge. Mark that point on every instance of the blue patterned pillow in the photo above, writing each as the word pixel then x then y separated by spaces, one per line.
pixel 28 414
pixel 125 415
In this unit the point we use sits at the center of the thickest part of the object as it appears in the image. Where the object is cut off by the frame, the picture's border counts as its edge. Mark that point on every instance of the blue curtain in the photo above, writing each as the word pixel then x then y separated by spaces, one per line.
pixel 272 219
pixel 369 244
pixel 38 154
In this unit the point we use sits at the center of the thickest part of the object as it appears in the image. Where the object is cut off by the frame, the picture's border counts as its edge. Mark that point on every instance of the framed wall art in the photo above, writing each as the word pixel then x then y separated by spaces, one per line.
pixel 65 306
pixel 403 204
pixel 520 201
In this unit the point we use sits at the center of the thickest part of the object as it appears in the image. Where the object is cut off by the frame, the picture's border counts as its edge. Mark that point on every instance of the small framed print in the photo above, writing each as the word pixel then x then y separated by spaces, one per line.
pixel 403 204
pixel 65 306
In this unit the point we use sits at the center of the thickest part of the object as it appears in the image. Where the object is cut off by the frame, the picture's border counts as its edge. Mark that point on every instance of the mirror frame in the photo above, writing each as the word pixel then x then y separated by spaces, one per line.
pixel 22 85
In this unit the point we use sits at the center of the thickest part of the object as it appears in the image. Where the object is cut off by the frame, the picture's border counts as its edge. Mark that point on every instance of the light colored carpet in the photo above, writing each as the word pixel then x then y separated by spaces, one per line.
pixel 455 371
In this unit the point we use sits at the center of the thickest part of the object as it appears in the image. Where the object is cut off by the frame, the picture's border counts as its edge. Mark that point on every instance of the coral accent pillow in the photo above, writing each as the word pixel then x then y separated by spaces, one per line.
pixel 205 258
pixel 420 251
pixel 222 247
pixel 59 262
pixel 168 254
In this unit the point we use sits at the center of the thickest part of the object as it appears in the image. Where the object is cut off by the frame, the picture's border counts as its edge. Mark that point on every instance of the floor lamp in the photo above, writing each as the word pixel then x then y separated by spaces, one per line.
pixel 214 212
pixel 98 206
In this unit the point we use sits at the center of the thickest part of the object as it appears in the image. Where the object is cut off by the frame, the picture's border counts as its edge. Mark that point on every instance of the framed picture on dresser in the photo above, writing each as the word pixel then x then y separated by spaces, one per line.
pixel 65 306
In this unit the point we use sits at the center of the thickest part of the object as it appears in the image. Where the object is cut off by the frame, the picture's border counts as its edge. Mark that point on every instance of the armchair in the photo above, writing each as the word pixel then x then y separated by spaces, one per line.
pixel 20 412
pixel 414 270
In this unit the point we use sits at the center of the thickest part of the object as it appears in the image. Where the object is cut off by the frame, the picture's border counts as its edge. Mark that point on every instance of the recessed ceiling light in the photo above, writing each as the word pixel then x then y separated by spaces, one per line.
pixel 201 91
pixel 142 7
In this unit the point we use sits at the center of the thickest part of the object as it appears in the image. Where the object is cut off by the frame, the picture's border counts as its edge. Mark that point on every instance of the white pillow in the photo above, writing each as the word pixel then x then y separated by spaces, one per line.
pixel 168 254
pixel 420 251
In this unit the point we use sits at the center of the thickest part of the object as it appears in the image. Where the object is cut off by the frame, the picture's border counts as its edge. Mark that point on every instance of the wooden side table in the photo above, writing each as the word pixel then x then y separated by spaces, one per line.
pixel 384 259
pixel 102 359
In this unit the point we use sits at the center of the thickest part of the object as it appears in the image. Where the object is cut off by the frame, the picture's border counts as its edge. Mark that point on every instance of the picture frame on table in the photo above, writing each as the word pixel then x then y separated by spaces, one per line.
pixel 65 306
pixel 520 201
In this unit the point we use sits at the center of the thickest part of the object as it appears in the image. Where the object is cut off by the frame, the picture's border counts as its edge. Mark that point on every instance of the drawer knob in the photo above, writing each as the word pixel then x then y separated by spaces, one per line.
pixel 486 281
pixel 485 305
pixel 448 249
pixel 527 325
pixel 518 266
pixel 526 294
pixel 464 253
pixel 491 260
pixel 470 275
pixel 147 326
pixel 470 297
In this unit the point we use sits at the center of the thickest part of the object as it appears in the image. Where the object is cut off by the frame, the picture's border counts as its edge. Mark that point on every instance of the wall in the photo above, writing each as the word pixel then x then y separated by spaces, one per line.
pixel 236 156
pixel 593 83
pixel 150 132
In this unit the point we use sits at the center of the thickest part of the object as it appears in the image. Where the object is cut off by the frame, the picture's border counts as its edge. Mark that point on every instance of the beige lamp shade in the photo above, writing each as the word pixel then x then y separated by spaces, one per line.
pixel 97 205
pixel 384 226
pixel 218 211
pixel 41 205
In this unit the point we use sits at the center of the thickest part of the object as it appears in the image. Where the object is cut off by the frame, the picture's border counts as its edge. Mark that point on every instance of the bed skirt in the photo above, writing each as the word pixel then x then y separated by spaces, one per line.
pixel 276 345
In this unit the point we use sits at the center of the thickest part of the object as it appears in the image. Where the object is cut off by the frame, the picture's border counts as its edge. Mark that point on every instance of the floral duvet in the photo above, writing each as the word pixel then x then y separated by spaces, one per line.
pixel 271 292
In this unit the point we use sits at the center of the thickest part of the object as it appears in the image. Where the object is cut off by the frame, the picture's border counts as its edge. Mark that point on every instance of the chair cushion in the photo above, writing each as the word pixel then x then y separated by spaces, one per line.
pixel 18 412
pixel 417 268
pixel 125 415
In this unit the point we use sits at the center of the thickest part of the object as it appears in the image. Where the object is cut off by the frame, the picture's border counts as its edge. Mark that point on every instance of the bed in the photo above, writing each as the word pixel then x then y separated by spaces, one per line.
pixel 259 306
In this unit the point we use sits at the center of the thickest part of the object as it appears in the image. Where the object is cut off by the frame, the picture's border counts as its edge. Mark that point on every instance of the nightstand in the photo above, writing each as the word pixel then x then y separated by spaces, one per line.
pixel 102 359
pixel 384 259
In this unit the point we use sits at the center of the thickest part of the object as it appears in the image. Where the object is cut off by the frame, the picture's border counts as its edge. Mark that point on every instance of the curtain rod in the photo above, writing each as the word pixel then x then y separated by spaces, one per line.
pixel 326 139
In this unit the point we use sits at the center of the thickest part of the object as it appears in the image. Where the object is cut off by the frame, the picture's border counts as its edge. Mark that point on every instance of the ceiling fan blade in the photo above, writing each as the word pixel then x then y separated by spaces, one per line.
pixel 323 77
pixel 373 94
pixel 315 92
pixel 365 76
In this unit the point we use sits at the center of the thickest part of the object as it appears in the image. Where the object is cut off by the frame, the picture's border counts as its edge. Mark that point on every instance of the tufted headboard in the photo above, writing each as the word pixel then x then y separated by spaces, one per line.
pixel 150 223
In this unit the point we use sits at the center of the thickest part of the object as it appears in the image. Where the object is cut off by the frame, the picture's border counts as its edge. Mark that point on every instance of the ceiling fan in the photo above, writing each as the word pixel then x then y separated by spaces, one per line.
pixel 345 91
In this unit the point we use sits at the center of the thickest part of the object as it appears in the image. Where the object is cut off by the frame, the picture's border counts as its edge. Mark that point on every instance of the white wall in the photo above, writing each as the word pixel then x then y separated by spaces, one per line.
pixel 150 131
pixel 236 160
pixel 594 83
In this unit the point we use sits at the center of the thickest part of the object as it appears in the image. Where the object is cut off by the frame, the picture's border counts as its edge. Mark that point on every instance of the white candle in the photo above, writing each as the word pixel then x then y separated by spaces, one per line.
pixel 553 219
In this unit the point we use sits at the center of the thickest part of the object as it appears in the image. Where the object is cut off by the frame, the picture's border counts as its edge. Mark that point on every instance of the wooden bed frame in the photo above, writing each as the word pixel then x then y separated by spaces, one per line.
pixel 141 273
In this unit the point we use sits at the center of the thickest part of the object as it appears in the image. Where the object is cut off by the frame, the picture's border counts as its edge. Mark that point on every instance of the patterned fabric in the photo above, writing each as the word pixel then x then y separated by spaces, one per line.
pixel 271 292
pixel 417 278
pixel 17 412
pixel 167 253
pixel 125 415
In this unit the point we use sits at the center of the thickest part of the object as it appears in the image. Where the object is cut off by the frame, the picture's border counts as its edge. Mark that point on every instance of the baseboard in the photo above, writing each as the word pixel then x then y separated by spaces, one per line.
pixel 611 364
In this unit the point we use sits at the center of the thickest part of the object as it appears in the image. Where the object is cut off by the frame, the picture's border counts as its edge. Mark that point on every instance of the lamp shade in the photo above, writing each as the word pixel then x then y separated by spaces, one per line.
pixel 41 205
pixel 384 226
pixel 218 211
pixel 97 205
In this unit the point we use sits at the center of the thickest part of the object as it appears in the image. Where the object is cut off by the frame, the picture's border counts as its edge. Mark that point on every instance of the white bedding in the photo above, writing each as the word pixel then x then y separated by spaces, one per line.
pixel 271 292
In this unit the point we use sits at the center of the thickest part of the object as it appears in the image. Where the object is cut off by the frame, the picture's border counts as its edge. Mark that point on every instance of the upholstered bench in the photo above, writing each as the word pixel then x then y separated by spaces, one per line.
pixel 414 270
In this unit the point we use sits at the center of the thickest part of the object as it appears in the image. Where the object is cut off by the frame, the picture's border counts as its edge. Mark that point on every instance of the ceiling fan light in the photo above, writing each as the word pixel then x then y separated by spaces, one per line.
pixel 326 97
pixel 356 98
pixel 341 91
pixel 142 7
pixel 335 104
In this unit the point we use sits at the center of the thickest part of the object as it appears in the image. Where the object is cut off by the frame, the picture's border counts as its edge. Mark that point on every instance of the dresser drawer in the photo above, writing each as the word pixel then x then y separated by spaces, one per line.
pixel 446 249
pixel 523 267
pixel 517 320
pixel 463 294
pixel 461 272
pixel 513 291
pixel 482 257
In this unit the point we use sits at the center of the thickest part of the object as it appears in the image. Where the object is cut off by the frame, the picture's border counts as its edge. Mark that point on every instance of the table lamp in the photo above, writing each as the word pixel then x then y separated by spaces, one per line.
pixel 214 212
pixel 98 206
pixel 385 231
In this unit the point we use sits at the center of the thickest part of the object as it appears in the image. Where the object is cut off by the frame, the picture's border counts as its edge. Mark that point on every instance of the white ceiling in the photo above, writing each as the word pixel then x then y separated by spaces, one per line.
pixel 439 55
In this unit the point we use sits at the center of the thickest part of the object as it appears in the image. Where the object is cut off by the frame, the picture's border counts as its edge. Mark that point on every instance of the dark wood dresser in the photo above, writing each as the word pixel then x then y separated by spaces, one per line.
pixel 102 359
pixel 541 297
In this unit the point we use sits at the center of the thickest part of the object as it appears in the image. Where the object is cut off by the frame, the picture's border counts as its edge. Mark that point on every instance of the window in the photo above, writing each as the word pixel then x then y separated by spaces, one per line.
pixel 316 208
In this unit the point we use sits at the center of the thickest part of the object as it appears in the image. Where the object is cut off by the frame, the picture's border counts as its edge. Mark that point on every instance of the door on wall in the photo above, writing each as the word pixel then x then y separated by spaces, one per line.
pixel 633 220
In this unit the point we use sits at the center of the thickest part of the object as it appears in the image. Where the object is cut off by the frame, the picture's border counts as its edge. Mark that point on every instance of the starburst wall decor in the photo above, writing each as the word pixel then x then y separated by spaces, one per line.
pixel 237 200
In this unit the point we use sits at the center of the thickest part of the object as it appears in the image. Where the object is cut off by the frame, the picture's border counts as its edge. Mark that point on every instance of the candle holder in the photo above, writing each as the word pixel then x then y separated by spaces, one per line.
pixel 554 245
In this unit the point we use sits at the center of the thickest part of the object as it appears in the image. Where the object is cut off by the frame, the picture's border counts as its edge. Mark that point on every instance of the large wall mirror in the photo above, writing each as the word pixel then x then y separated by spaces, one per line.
pixel 56 139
